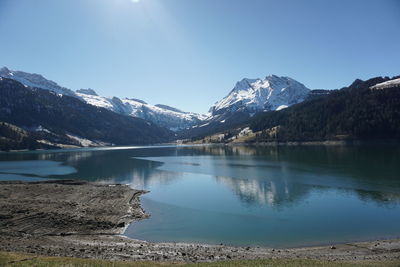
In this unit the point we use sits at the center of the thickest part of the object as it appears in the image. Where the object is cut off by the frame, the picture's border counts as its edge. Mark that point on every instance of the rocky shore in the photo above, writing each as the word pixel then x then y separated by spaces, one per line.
pixel 81 219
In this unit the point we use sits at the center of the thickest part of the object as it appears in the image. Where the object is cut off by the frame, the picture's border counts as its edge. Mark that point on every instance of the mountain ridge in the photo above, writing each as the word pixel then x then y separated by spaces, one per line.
pixel 61 119
pixel 274 106
pixel 169 117
pixel 248 97
pixel 35 80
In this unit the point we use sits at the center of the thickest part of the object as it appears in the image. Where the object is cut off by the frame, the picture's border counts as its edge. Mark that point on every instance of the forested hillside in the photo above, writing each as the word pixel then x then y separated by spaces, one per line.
pixel 357 112
pixel 58 117
pixel 13 138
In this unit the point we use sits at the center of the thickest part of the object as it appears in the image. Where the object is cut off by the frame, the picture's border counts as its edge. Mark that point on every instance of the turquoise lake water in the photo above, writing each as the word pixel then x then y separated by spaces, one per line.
pixel 258 196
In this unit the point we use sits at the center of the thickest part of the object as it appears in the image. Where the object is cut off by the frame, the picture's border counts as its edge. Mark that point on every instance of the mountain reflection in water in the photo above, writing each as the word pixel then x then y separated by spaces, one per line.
pixel 257 175
pixel 242 195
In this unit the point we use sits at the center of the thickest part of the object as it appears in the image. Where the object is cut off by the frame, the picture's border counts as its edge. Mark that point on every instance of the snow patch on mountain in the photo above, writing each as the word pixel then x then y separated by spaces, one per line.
pixel 281 107
pixel 87 91
pixel 387 84
pixel 96 100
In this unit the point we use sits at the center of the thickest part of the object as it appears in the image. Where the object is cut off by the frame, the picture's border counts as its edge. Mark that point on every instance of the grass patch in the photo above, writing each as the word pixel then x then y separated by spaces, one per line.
pixel 28 260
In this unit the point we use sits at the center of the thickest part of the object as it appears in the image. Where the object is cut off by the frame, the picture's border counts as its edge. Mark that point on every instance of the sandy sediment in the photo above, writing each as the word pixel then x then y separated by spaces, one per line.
pixel 66 207
pixel 81 219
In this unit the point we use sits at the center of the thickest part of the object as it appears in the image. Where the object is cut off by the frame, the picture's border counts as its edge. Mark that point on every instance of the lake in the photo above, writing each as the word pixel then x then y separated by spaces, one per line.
pixel 283 196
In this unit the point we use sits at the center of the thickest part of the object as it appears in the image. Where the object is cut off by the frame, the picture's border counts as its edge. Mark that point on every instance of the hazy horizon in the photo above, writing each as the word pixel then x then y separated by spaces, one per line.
pixel 189 54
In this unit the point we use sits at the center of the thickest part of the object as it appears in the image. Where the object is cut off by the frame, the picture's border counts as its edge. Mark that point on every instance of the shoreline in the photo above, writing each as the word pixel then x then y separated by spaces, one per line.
pixel 86 220
pixel 332 143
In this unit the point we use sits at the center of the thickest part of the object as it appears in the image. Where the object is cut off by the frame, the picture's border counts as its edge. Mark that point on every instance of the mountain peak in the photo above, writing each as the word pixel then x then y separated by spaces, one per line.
pixel 35 81
pixel 4 70
pixel 137 100
pixel 273 76
pixel 256 95
pixel 244 84
pixel 87 92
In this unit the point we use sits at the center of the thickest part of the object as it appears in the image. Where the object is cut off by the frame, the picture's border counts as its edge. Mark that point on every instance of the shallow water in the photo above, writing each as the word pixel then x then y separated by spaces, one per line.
pixel 267 196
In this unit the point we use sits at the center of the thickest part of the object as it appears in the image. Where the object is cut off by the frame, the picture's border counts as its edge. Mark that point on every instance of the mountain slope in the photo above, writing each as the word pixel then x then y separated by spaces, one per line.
pixel 357 112
pixel 13 138
pixel 387 84
pixel 162 115
pixel 35 81
pixel 68 120
pixel 364 111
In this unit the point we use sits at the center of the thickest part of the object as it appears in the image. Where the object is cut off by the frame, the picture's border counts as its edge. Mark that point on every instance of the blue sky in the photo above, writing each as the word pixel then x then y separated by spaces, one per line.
pixel 190 53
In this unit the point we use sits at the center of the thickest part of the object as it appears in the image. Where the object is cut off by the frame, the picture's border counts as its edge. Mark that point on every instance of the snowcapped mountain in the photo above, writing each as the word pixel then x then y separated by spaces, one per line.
pixel 35 80
pixel 53 120
pixel 247 98
pixel 161 115
pixel 254 95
